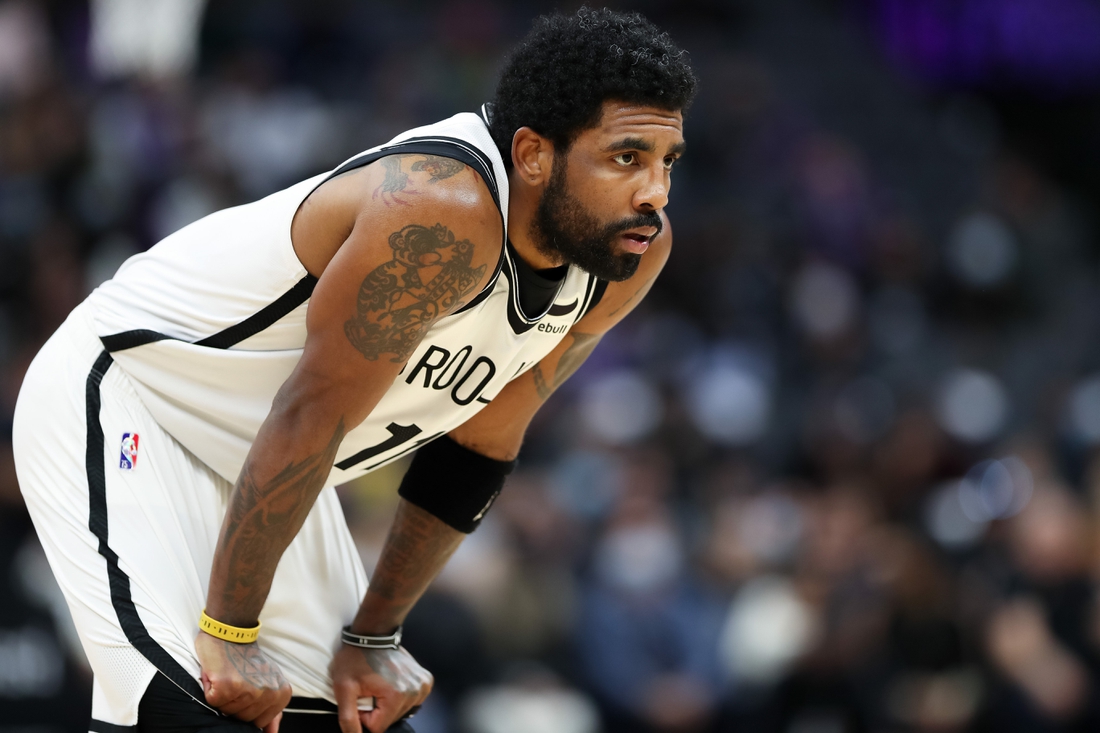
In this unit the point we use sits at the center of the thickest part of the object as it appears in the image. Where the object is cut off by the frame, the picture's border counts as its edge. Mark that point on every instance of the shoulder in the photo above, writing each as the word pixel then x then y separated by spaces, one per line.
pixel 392 193
pixel 620 298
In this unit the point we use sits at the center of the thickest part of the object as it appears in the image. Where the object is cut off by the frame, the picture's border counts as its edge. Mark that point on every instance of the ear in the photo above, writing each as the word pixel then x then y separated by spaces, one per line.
pixel 532 155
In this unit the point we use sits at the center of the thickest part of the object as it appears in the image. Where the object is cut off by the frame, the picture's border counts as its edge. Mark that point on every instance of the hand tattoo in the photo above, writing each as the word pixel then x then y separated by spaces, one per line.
pixel 253 666
pixel 396 307
pixel 583 345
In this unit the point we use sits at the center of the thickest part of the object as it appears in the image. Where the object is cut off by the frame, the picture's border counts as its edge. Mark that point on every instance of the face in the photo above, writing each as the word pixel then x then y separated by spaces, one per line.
pixel 601 207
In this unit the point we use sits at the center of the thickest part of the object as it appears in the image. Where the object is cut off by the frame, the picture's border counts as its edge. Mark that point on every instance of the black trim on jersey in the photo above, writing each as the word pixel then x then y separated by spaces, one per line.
pixel 263 318
pixel 130 339
pixel 520 321
pixel 441 145
pixel 597 296
pixel 102 726
pixel 587 298
pixel 563 310
pixel 119 582
pixel 228 337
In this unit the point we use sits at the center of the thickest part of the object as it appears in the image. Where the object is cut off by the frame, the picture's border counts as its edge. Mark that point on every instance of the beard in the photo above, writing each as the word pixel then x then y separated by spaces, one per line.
pixel 564 228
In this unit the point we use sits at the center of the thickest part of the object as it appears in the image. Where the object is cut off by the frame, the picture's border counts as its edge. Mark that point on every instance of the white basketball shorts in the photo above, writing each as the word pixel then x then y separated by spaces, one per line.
pixel 129 520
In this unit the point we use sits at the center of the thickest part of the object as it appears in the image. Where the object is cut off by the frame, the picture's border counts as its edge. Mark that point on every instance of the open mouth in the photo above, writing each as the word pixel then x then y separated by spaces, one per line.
pixel 635 243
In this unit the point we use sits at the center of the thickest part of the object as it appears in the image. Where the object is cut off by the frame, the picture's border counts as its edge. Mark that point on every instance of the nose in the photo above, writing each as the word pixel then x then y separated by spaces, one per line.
pixel 652 195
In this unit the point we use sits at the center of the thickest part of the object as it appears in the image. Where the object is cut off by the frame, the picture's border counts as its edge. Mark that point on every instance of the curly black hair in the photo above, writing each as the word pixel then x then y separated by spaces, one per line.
pixel 558 78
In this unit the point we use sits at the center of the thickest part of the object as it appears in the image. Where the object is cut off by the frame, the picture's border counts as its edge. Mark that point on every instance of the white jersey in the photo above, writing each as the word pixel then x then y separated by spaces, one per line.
pixel 211 321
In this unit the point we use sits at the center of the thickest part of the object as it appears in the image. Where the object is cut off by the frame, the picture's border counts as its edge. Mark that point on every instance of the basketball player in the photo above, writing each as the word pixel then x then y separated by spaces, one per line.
pixel 178 439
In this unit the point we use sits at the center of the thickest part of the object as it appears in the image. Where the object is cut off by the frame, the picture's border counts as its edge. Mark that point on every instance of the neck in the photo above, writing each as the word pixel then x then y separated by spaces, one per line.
pixel 523 201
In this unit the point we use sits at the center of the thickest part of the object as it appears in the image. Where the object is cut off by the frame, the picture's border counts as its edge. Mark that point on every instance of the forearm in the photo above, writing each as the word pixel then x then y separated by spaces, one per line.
pixel 416 549
pixel 285 470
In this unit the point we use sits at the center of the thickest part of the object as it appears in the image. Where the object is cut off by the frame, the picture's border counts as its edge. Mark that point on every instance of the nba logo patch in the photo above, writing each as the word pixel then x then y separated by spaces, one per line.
pixel 128 458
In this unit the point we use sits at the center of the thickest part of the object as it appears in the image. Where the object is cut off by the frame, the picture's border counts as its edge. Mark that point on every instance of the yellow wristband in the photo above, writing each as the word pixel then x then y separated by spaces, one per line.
pixel 233 634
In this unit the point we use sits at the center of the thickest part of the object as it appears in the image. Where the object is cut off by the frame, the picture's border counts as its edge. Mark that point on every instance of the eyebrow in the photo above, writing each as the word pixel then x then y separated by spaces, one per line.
pixel 637 143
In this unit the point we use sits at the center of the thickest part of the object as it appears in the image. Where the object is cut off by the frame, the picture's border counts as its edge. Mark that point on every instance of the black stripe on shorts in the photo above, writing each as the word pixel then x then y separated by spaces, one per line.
pixel 123 603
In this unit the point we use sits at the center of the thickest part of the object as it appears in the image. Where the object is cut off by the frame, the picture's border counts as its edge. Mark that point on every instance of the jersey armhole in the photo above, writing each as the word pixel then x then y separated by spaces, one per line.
pixel 597 295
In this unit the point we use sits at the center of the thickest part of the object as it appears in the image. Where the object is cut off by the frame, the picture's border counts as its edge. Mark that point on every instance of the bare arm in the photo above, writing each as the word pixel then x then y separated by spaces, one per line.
pixel 399 270
pixel 387 273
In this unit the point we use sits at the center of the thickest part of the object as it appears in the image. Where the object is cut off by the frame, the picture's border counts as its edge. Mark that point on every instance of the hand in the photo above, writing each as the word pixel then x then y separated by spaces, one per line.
pixel 240 680
pixel 391 676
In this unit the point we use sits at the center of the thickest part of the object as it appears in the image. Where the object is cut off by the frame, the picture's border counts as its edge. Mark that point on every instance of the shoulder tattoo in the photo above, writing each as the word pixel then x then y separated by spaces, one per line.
pixel 395 188
pixel 430 274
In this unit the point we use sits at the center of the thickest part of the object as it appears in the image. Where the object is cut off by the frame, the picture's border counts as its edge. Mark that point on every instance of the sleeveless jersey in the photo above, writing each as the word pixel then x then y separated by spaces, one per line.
pixel 211 321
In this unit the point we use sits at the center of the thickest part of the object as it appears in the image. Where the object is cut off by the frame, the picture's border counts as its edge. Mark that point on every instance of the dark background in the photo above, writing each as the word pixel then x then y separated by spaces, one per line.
pixel 837 473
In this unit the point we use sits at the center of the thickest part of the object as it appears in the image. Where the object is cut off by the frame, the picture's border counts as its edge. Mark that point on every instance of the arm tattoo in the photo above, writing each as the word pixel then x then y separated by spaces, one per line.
pixel 395 185
pixel 639 293
pixel 439 167
pixel 396 306
pixel 583 345
pixel 262 519
pixel 253 666
pixel 541 386
pixel 416 549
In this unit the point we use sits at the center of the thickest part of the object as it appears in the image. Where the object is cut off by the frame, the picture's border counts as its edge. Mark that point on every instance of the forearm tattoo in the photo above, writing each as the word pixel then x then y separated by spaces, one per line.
pixel 416 549
pixel 636 295
pixel 262 518
pixel 396 306
pixel 570 361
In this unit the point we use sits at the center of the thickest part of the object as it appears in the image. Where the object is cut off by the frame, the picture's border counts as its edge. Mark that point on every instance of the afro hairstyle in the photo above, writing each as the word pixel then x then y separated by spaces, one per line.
pixel 559 76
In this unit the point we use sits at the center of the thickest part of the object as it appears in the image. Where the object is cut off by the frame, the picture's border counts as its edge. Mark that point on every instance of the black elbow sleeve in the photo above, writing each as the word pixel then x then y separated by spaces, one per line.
pixel 453 483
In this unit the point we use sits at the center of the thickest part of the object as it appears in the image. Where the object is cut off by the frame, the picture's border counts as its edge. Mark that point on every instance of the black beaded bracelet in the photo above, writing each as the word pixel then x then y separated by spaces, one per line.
pixel 391 641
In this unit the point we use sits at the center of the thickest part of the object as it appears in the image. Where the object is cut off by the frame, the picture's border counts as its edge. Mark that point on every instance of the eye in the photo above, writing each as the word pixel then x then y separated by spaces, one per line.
pixel 625 159
pixel 669 161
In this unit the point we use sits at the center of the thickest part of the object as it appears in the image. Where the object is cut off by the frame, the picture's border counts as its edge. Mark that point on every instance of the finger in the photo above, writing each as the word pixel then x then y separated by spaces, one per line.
pixel 273 726
pixel 239 704
pixel 426 686
pixel 347 704
pixel 268 707
pixel 261 708
pixel 387 709
pixel 222 692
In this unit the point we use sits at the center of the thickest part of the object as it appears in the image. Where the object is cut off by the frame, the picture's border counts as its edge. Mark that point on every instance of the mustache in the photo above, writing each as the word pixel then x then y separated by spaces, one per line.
pixel 648 219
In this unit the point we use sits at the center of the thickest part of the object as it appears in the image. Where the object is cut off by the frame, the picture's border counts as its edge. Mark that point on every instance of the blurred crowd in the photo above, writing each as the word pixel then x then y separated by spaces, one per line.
pixel 837 474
